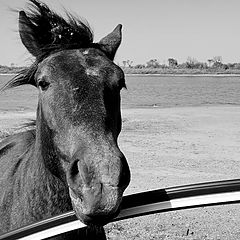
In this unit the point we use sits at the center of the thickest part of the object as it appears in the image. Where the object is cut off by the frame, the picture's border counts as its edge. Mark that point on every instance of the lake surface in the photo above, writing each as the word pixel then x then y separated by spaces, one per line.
pixel 158 91
pixel 146 91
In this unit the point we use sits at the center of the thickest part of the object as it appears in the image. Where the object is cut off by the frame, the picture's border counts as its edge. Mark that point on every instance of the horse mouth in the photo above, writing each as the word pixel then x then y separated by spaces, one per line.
pixel 98 211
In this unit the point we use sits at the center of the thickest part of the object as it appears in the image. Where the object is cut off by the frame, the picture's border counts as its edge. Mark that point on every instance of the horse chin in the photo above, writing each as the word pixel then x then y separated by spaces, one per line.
pixel 98 219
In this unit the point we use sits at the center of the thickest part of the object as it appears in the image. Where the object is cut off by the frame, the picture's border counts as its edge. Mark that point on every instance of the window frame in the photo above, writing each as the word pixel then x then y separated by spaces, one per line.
pixel 140 204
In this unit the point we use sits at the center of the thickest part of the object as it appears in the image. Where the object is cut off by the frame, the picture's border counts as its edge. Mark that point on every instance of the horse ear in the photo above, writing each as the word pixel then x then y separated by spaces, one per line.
pixel 27 35
pixel 111 42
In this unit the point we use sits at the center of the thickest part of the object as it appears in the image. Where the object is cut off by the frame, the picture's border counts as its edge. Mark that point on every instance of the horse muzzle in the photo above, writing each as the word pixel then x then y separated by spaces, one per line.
pixel 96 184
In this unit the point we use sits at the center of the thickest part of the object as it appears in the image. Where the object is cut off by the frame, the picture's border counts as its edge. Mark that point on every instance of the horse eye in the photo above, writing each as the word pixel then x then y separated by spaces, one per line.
pixel 43 84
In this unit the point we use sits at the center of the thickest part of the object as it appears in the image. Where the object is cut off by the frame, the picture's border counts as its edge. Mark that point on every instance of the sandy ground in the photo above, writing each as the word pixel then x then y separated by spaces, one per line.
pixel 169 147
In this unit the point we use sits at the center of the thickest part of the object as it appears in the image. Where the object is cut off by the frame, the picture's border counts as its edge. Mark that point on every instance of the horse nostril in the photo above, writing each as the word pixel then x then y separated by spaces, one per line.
pixel 74 169
pixel 80 173
pixel 74 174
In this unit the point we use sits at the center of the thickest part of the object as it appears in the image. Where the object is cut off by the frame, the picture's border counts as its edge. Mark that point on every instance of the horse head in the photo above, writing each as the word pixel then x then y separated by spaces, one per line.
pixel 78 116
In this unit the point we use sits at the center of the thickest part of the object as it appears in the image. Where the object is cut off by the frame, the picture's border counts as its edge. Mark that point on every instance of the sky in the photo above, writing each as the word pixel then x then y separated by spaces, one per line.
pixel 152 29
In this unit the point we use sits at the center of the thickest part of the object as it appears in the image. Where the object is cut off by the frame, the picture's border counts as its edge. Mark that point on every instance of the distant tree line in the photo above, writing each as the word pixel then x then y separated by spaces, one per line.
pixel 192 66
pixel 191 63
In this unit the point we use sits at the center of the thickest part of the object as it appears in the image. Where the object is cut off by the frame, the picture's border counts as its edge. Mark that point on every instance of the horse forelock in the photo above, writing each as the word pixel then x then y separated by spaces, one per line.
pixel 53 33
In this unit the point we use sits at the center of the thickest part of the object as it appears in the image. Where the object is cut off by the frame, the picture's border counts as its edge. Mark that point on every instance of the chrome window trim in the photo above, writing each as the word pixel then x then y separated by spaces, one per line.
pixel 145 203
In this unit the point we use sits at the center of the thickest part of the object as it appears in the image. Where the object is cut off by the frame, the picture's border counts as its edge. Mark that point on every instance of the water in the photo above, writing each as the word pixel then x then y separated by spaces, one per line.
pixel 22 98
pixel 146 91
pixel 158 91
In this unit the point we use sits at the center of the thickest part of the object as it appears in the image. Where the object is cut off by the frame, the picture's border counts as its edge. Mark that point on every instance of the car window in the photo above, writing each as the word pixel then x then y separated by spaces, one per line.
pixel 180 116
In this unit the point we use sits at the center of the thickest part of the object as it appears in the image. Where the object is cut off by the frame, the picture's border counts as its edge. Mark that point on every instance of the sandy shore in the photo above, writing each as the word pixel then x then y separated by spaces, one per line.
pixel 175 146
pixel 169 147
pixel 181 145
pixel 184 74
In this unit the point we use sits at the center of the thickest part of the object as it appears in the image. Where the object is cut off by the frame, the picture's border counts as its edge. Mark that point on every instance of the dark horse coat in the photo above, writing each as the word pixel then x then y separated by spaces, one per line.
pixel 70 159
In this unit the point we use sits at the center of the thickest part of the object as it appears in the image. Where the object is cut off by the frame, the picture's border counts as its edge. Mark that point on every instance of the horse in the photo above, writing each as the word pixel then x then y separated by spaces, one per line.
pixel 70 158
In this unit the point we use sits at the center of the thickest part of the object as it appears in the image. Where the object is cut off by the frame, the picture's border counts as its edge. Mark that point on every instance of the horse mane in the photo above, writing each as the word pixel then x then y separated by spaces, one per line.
pixel 52 33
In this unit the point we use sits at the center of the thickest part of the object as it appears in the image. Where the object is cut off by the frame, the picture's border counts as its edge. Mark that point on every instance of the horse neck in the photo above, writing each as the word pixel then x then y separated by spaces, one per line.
pixel 48 181
pixel 45 149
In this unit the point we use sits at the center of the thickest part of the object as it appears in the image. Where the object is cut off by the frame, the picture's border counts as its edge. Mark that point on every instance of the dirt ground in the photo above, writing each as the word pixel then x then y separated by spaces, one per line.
pixel 170 147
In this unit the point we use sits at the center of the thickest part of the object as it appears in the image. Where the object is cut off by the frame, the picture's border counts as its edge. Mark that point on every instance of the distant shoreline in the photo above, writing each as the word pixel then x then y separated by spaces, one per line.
pixel 166 74
pixel 7 74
